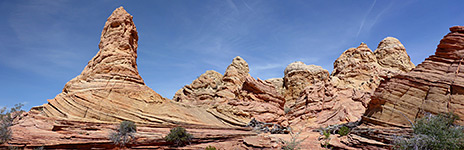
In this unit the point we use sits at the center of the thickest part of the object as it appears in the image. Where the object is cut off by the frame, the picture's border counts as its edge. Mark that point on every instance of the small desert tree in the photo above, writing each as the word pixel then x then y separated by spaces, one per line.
pixel 434 132
pixel 6 121
pixel 124 134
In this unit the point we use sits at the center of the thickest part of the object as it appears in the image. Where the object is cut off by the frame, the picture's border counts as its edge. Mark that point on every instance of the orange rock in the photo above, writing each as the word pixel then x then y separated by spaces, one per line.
pixel 434 86
pixel 297 76
pixel 202 90
pixel 111 89
pixel 391 54
pixel 237 98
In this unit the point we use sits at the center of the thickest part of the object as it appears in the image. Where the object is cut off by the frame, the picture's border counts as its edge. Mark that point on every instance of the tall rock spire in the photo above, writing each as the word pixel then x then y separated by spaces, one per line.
pixel 111 89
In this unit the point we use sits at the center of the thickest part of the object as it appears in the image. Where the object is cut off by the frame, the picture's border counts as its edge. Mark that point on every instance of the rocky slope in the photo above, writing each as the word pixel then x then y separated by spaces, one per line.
pixel 434 86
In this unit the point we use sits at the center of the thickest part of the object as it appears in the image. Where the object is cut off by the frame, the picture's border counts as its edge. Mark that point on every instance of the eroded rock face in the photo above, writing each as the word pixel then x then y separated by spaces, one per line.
pixel 356 68
pixel 297 76
pixel 233 79
pixel 202 90
pixel 111 89
pixel 278 83
pixel 344 96
pixel 237 97
pixel 391 54
pixel 434 86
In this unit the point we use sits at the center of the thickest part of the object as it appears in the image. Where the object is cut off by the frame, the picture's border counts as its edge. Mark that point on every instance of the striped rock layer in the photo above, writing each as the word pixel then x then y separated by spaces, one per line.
pixel 111 89
pixel 434 86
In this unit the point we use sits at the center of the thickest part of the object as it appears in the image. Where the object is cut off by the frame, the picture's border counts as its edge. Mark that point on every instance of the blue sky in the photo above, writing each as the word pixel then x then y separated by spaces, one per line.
pixel 45 43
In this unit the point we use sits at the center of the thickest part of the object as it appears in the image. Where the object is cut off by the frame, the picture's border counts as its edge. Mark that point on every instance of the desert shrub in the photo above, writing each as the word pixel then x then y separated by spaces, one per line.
pixel 294 143
pixel 124 134
pixel 434 132
pixel 6 121
pixel 326 134
pixel 210 148
pixel 178 136
pixel 344 131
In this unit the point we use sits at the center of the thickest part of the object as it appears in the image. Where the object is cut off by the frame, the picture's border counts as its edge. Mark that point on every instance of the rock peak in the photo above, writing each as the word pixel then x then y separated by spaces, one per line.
pixel 457 29
pixel 390 42
pixel 240 64
pixel 362 45
pixel 118 50
pixel 392 55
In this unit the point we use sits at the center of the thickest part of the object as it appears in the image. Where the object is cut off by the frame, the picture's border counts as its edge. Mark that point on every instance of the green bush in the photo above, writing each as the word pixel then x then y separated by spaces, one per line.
pixel 210 148
pixel 6 121
pixel 344 131
pixel 179 136
pixel 124 134
pixel 434 133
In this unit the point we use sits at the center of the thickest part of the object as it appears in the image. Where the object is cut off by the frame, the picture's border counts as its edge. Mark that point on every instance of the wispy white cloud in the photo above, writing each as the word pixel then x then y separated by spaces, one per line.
pixel 247 6
pixel 365 17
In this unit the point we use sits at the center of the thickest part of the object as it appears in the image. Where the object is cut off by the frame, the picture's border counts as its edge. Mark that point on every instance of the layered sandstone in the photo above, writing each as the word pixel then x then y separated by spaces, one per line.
pixel 111 89
pixel 278 84
pixel 237 97
pixel 202 90
pixel 233 79
pixel 434 86
pixel 297 76
pixel 314 101
pixel 391 54
pixel 356 68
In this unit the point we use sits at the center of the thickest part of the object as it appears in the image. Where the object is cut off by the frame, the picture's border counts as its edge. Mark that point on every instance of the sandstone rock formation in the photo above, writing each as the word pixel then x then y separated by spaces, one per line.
pixel 237 98
pixel 434 86
pixel 111 89
pixel 202 90
pixel 314 100
pixel 391 54
pixel 233 79
pixel 278 84
pixel 356 68
pixel 298 75
pixel 317 99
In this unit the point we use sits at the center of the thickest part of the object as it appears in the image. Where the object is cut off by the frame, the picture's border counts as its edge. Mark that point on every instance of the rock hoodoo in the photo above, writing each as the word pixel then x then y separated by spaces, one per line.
pixel 434 86
pixel 111 89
